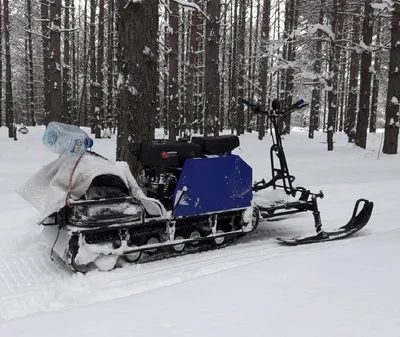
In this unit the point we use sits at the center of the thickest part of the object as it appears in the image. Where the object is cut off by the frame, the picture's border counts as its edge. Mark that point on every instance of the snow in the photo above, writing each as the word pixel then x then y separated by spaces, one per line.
pixel 188 4
pixel 132 90
pixel 255 287
pixel 312 29
pixel 147 51
pixel 382 6
pixel 120 80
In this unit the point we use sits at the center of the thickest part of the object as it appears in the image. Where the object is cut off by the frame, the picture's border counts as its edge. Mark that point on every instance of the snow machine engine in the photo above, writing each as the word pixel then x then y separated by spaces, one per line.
pixel 163 160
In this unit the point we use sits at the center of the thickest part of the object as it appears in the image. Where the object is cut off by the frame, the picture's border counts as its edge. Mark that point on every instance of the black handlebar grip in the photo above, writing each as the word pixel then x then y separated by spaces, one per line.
pixel 297 104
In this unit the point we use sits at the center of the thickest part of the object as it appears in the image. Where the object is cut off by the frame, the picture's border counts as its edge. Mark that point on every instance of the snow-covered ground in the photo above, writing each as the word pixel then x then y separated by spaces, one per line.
pixel 343 288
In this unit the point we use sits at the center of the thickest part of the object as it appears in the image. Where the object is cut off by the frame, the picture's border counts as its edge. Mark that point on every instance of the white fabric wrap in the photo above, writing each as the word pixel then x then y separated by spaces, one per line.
pixel 47 189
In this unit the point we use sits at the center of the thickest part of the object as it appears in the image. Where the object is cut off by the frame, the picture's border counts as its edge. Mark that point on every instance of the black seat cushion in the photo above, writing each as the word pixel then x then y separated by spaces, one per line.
pixel 149 152
pixel 217 144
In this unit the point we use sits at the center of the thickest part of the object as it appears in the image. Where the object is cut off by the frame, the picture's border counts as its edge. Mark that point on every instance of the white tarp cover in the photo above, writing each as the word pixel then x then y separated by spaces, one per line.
pixel 47 189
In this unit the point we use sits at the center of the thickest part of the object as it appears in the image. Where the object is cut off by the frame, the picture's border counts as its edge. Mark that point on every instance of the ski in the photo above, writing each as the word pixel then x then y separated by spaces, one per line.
pixel 356 223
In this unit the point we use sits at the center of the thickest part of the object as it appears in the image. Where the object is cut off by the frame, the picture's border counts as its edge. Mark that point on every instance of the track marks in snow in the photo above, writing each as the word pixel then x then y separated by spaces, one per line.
pixel 39 284
pixel 30 284
pixel 22 272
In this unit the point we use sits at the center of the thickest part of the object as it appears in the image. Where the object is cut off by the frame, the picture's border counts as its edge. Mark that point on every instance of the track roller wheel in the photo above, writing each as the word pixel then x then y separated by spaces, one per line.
pixel 250 223
pixel 179 247
pixel 255 220
pixel 220 240
pixel 152 241
pixel 132 257
pixel 195 235
pixel 106 262
pixel 80 268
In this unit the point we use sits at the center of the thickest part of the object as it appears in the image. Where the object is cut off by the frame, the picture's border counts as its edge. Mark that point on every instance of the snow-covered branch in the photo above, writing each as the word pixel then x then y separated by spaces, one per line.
pixel 191 5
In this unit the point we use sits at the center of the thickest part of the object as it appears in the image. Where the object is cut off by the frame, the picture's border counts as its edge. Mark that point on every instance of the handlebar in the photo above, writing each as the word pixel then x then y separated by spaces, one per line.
pixel 257 107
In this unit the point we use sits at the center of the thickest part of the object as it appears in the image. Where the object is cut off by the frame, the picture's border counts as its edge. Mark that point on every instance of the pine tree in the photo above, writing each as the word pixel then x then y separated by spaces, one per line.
pixel 137 56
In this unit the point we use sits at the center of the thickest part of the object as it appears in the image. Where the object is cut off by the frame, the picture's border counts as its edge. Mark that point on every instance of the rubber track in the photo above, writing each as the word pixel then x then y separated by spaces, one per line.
pixel 192 250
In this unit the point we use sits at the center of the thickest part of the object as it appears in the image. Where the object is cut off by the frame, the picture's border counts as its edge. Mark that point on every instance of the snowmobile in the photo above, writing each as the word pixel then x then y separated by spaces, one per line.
pixel 190 196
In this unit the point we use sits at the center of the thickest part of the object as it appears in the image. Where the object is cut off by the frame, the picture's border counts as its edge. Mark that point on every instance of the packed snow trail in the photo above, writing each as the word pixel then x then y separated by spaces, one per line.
pixel 30 282
pixel 345 288
pixel 36 284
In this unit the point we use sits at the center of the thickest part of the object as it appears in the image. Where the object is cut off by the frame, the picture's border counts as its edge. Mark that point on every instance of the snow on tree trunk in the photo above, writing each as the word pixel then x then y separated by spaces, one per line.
pixel 390 143
pixel 1 64
pixel 100 60
pixel 174 111
pixel 365 81
pixel 137 56
pixel 76 48
pixel 240 123
pixel 44 14
pixel 264 65
pixel 332 82
pixel 66 68
pixel 377 70
pixel 233 61
pixel 110 62
pixel 30 65
pixel 191 107
pixel 86 55
pixel 316 92
pixel 350 127
pixel 9 92
pixel 93 84
pixel 56 107
pixel 292 16
pixel 211 69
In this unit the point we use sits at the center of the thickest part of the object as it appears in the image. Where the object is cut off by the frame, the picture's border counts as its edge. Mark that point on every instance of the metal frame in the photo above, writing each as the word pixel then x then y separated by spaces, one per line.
pixel 307 200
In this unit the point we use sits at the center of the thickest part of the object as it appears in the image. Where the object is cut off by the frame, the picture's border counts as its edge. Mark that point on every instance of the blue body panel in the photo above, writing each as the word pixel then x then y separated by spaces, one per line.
pixel 214 184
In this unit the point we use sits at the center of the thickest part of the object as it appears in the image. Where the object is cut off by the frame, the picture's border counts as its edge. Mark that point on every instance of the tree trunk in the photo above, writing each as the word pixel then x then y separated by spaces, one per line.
pixel 251 54
pixel 291 56
pixel 192 69
pixel 316 92
pixel 1 63
pixel 353 83
pixel 110 63
pixel 99 125
pixel 30 66
pixel 66 67
pixel 75 68
pixel 173 71
pixel 264 66
pixel 55 61
pixel 44 13
pixel 9 93
pixel 21 117
pixel 165 76
pixel 375 89
pixel 182 74
pixel 332 82
pixel 342 85
pixel 211 69
pixel 365 82
pixel 137 24
pixel 93 84
pixel 234 77
pixel 86 54
pixel 257 38
pixel 390 143
pixel 240 124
